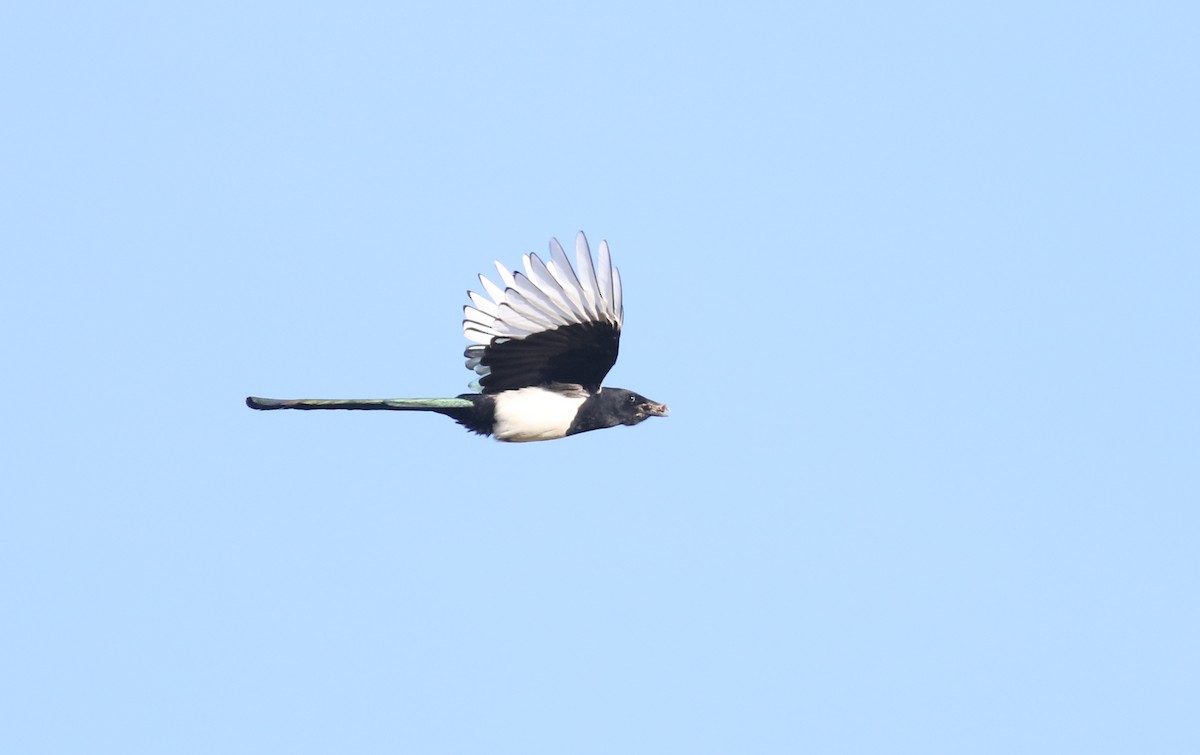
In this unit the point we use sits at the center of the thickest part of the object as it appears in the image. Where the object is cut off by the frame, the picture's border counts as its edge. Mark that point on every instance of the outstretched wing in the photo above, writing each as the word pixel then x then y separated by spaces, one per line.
pixel 550 324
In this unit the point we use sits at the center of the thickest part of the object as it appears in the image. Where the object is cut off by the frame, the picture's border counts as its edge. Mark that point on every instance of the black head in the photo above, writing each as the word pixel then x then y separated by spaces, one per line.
pixel 634 407
pixel 615 406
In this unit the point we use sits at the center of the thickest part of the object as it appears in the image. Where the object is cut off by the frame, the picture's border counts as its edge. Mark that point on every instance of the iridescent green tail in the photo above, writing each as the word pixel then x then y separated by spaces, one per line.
pixel 439 405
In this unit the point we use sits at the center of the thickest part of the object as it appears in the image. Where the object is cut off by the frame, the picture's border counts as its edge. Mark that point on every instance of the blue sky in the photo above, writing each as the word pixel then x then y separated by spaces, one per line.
pixel 920 282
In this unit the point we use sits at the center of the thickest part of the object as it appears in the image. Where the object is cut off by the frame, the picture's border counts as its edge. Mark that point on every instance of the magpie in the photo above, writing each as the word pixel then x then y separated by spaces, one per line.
pixel 541 343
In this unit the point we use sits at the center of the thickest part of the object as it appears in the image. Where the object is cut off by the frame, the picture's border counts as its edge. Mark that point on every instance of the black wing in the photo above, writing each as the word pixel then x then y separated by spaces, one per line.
pixel 580 354
pixel 551 324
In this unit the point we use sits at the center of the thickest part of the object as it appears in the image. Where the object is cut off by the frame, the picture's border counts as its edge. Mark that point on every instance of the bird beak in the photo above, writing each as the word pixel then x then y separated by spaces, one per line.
pixel 655 410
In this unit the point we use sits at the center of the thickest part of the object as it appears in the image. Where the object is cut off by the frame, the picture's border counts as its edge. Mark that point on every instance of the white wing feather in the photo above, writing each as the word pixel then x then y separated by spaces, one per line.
pixel 587 276
pixel 618 304
pixel 604 275
pixel 564 274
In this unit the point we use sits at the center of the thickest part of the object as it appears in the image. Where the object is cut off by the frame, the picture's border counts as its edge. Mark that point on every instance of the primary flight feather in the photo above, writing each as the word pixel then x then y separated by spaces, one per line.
pixel 542 341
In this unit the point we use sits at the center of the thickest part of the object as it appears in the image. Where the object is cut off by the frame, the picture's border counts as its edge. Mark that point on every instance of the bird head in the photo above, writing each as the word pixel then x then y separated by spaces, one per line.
pixel 633 408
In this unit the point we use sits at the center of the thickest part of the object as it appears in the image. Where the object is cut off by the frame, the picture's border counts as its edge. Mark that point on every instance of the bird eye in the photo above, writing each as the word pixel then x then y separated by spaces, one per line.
pixel 633 399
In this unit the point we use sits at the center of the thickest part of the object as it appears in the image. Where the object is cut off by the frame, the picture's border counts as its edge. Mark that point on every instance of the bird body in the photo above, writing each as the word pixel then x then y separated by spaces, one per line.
pixel 542 342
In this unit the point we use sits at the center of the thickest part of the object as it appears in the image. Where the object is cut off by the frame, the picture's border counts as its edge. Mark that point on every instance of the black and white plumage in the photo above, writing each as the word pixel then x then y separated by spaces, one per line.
pixel 542 342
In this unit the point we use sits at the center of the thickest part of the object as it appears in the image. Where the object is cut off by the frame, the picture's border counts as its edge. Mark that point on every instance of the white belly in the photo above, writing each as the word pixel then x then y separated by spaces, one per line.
pixel 535 414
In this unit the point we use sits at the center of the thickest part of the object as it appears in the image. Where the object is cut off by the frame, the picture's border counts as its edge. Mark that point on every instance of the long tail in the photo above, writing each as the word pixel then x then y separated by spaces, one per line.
pixel 440 405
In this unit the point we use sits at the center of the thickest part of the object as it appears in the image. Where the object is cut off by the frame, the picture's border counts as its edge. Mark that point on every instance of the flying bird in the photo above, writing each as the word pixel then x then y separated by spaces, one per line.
pixel 541 343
